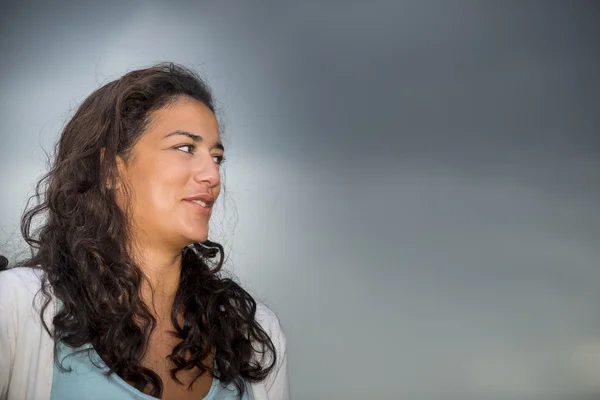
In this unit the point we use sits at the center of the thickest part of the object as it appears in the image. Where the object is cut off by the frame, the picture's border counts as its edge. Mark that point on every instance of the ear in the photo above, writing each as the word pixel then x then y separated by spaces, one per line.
pixel 121 170
pixel 120 166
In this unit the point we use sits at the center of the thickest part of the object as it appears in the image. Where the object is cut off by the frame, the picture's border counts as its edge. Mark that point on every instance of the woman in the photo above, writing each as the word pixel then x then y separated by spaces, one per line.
pixel 121 298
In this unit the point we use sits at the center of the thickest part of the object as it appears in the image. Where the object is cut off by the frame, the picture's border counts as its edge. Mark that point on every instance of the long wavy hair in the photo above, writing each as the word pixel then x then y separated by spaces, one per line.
pixel 81 247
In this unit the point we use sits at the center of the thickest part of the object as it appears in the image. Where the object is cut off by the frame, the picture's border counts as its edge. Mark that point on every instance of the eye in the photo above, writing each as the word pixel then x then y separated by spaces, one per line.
pixel 190 147
pixel 219 159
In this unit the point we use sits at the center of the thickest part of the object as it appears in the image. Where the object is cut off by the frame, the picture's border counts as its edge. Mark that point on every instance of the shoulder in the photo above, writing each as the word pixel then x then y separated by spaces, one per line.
pixel 19 289
pixel 276 383
pixel 20 283
pixel 265 315
pixel 269 321
pixel 27 352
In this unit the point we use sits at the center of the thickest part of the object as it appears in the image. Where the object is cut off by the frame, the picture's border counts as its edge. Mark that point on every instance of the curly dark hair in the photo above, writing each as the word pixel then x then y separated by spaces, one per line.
pixel 81 246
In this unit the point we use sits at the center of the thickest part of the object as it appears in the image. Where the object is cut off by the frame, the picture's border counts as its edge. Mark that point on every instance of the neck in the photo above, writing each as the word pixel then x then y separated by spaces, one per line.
pixel 162 270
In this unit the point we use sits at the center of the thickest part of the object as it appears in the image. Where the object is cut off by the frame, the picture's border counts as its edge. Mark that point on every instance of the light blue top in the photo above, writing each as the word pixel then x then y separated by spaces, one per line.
pixel 87 382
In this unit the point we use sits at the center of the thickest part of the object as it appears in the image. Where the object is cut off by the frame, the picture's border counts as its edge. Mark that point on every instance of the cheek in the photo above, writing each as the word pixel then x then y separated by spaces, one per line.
pixel 159 186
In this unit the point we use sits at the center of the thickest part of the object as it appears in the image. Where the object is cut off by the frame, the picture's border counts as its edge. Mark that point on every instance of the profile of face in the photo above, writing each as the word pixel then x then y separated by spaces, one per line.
pixel 172 175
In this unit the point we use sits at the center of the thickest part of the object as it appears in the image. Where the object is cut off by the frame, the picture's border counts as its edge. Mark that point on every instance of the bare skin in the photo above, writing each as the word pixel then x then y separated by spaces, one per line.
pixel 166 168
pixel 160 346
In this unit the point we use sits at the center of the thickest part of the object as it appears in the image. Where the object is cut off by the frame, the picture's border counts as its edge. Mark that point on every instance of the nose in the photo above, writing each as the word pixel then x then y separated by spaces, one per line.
pixel 207 171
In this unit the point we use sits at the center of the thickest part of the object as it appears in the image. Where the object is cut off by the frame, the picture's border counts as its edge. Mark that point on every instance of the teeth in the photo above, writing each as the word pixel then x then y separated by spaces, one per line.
pixel 203 204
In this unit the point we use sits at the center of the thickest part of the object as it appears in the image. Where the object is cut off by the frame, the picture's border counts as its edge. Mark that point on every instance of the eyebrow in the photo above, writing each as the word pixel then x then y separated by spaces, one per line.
pixel 194 137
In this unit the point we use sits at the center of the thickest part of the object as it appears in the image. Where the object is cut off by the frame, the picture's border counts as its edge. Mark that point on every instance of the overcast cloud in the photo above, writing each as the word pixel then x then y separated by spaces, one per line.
pixel 412 186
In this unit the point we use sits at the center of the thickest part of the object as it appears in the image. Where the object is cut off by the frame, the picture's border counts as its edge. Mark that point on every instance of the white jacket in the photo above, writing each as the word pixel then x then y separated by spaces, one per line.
pixel 27 351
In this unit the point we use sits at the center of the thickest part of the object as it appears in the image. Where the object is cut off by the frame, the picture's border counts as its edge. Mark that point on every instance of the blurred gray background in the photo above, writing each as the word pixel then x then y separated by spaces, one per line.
pixel 412 186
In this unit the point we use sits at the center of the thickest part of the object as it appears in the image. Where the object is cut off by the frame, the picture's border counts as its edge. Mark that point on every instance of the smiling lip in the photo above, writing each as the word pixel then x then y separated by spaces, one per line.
pixel 206 199
pixel 198 208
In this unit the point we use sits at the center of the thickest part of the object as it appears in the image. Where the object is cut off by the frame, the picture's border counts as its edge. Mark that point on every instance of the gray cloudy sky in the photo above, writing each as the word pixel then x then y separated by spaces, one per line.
pixel 411 186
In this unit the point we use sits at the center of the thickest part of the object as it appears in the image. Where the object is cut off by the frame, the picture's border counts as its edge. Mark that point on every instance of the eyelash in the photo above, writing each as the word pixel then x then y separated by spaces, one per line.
pixel 221 159
pixel 191 146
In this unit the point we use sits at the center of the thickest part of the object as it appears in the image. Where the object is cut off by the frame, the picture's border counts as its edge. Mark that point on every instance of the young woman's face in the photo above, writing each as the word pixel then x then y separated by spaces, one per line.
pixel 173 175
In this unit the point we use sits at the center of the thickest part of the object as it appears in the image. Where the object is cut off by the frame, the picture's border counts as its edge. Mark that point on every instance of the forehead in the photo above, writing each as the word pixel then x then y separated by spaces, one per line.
pixel 184 114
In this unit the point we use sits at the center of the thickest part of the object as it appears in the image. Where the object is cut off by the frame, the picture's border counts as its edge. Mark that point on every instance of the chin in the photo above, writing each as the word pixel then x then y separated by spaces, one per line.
pixel 200 240
pixel 190 234
pixel 196 238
